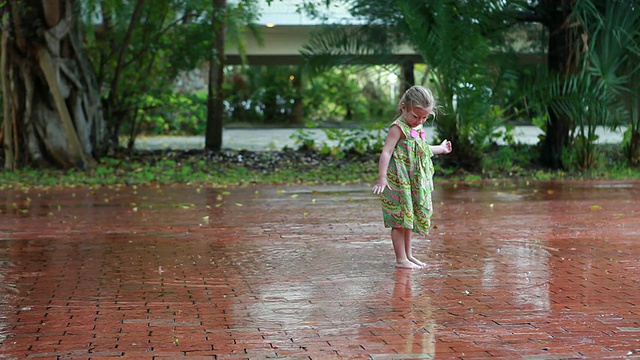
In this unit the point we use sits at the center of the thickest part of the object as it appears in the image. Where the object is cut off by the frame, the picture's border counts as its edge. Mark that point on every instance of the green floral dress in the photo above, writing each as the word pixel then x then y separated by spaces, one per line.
pixel 410 176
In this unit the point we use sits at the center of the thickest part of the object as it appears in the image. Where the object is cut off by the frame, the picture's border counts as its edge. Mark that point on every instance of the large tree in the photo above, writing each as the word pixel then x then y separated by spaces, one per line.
pixel 138 49
pixel 52 111
pixel 561 51
pixel 68 99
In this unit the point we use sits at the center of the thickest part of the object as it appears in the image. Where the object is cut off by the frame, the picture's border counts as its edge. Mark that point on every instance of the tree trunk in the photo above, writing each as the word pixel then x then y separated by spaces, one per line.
pixel 51 97
pixel 407 77
pixel 115 113
pixel 215 97
pixel 559 61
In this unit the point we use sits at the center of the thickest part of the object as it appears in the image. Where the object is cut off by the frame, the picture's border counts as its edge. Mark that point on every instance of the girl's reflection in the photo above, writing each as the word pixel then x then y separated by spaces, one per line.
pixel 420 333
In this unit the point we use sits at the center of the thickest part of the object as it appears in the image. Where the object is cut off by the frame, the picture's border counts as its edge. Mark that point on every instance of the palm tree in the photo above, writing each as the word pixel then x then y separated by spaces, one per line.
pixel 600 89
pixel 615 60
pixel 457 40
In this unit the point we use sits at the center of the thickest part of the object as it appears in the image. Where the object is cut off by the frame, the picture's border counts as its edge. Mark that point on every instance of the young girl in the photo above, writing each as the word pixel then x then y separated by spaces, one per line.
pixel 405 175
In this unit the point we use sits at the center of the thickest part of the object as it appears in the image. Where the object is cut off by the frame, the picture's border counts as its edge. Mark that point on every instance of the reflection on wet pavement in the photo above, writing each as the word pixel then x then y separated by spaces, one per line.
pixel 515 270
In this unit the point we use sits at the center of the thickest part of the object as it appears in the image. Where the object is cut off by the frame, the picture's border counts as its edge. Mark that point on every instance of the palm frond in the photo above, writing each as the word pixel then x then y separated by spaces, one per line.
pixel 581 97
pixel 339 45
pixel 235 31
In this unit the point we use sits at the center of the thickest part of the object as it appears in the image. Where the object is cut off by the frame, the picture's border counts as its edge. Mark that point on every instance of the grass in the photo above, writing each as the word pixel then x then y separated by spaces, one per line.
pixel 295 167
pixel 177 167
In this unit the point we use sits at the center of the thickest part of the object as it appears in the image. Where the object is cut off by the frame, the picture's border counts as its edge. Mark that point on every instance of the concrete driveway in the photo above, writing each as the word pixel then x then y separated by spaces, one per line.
pixel 267 139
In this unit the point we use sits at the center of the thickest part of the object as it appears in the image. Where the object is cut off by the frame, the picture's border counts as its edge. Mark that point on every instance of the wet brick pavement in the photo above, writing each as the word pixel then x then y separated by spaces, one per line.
pixel 519 271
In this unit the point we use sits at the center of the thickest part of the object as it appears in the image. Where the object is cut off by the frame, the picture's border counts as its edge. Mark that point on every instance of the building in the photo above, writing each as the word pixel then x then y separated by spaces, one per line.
pixel 286 29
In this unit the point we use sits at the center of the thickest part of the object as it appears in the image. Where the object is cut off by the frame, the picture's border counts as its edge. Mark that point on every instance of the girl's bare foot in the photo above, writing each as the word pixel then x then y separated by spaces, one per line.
pixel 417 262
pixel 406 264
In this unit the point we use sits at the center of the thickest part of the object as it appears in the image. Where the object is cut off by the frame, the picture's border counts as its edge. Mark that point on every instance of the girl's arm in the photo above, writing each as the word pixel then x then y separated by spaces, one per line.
pixel 443 148
pixel 393 137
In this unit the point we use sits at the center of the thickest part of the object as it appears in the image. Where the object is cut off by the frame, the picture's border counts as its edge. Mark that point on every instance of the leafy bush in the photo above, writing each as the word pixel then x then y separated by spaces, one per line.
pixel 345 94
pixel 243 167
pixel 367 140
pixel 172 114
pixel 263 94
pixel 275 95
pixel 508 160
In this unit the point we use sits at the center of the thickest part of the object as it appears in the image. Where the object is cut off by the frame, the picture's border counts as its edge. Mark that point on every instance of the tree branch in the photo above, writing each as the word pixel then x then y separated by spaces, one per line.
pixel 79 157
pixel 51 12
pixel 123 49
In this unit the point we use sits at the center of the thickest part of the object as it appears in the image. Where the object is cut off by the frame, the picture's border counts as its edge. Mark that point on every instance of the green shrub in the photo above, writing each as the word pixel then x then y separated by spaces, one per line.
pixel 173 114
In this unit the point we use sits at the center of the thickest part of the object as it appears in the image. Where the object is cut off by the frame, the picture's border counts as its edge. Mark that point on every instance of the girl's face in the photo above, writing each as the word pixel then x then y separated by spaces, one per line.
pixel 415 115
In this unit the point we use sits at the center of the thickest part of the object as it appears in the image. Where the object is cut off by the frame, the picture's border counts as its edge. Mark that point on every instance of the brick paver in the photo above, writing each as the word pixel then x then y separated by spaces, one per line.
pixel 516 270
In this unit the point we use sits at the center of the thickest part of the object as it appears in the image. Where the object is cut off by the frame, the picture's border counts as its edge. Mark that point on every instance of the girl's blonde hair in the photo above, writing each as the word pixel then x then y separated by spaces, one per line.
pixel 418 96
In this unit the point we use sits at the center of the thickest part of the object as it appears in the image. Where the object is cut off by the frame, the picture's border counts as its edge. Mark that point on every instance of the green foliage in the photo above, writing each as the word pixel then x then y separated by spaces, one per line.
pixel 459 40
pixel 262 94
pixel 472 178
pixel 268 95
pixel 304 140
pixel 455 45
pixel 337 95
pixel 467 83
pixel 358 141
pixel 335 46
pixel 506 135
pixel 232 168
pixel 584 98
pixel 601 91
pixel 139 49
pixel 342 142
pixel 631 141
pixel 172 114
pixel 508 161
pixel 167 170
pixel 620 30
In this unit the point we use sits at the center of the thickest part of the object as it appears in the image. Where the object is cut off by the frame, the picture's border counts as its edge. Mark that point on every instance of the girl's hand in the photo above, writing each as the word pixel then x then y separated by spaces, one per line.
pixel 446 146
pixel 379 187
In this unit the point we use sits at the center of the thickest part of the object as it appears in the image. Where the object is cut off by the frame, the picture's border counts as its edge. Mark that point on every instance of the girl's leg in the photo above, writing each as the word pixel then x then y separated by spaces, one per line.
pixel 408 251
pixel 398 238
